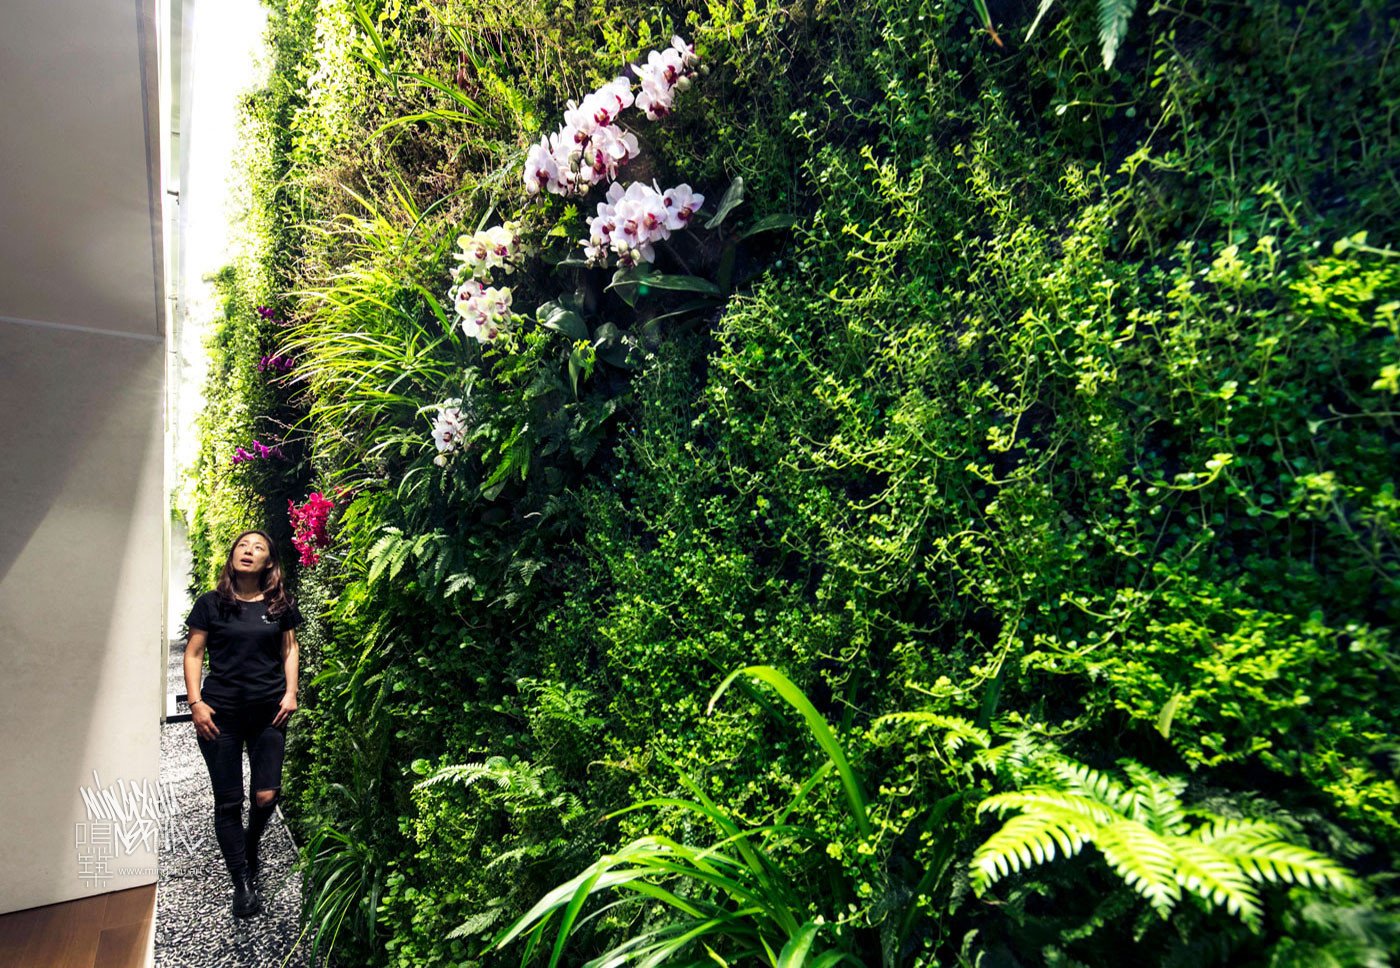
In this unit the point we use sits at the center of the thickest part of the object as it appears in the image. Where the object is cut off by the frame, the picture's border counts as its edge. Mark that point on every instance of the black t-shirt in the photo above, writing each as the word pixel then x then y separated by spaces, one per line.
pixel 245 650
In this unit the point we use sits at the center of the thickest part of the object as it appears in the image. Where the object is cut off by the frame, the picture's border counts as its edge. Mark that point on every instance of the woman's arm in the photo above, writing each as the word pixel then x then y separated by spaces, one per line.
pixel 194 671
pixel 194 663
pixel 290 661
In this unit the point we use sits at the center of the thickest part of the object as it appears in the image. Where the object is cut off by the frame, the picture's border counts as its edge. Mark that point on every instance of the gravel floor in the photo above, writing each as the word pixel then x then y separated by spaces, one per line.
pixel 194 924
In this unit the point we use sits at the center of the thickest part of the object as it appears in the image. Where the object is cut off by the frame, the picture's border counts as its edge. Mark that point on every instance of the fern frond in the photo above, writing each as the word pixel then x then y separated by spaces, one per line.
pixel 554 702
pixel 464 773
pixel 1156 800
pixel 455 583
pixel 1093 784
pixel 1279 860
pixel 478 922
pixel 1113 25
pixel 382 552
pixel 441 563
pixel 1216 879
pixel 956 730
pixel 1087 808
pixel 527 568
pixel 1144 860
pixel 1016 760
pixel 1230 830
pixel 1024 841
pixel 1143 834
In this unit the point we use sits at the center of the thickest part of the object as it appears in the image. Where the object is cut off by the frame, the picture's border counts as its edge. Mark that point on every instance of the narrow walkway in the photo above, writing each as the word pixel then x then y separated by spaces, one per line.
pixel 194 925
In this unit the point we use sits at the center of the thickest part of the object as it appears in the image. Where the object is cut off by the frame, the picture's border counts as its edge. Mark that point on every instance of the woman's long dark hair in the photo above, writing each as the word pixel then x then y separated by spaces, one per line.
pixel 269 582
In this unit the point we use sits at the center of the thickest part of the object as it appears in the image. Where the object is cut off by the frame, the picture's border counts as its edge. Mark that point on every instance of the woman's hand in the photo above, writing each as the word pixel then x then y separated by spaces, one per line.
pixel 285 709
pixel 202 714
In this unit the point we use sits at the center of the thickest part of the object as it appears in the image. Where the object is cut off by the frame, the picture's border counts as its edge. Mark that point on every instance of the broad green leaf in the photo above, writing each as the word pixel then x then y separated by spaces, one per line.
pixel 553 316
pixel 627 283
pixel 733 195
pixel 769 224
pixel 1164 718
pixel 794 953
pixel 681 283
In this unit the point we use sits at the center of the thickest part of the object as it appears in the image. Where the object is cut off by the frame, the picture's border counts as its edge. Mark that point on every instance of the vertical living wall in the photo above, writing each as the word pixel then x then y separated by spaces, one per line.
pixel 1035 419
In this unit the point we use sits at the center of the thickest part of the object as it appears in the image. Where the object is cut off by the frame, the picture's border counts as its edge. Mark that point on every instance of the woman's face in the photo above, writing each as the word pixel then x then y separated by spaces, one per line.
pixel 250 554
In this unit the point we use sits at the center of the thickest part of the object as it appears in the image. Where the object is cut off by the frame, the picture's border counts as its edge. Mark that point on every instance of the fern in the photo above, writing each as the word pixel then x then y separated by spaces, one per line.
pixel 457 582
pixel 519 780
pixel 1113 25
pixel 463 773
pixel 554 703
pixel 956 730
pixel 390 551
pixel 1030 839
pixel 477 923
pixel 1157 800
pixel 1143 834
pixel 1144 860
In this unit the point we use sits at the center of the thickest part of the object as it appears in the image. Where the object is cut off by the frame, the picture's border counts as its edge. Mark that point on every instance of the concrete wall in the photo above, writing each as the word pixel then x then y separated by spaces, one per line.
pixel 82 636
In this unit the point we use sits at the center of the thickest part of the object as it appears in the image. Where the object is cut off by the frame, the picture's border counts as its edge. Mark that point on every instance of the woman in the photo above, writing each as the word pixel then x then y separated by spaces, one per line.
pixel 246 623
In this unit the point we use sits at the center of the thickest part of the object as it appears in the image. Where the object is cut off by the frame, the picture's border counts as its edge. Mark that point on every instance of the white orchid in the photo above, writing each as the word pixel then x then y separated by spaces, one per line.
pixel 680 204
pixel 590 146
pixel 495 248
pixel 688 56
pixel 448 430
pixel 655 99
pixel 630 221
pixel 542 170
pixel 601 108
pixel 483 310
pixel 664 73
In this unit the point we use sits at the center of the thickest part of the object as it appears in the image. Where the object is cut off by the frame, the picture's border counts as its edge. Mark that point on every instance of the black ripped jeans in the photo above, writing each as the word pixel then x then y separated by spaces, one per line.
pixel 240 725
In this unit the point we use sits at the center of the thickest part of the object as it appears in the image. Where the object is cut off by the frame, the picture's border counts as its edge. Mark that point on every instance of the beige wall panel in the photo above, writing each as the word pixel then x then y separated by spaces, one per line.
pixel 81 616
pixel 79 186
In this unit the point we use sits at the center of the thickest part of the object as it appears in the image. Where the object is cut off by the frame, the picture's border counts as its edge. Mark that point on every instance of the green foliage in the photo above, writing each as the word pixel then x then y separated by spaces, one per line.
pixel 1143 833
pixel 342 879
pixel 1061 413
pixel 733 898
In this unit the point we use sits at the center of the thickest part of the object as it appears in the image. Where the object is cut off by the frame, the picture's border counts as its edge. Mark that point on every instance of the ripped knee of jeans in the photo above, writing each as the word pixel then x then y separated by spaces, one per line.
pixel 228 801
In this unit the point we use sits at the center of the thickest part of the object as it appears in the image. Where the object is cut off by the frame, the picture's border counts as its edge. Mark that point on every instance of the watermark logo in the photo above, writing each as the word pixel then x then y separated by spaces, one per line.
pixel 123 818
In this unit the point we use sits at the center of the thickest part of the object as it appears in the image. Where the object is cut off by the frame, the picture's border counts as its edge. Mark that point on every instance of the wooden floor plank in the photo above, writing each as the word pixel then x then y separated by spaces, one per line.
pixel 129 906
pixel 16 931
pixel 123 946
pixel 66 937
pixel 110 929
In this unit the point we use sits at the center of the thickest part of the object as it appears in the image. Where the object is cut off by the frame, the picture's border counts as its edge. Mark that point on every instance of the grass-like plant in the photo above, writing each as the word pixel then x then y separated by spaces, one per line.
pixel 733 895
pixel 343 881
pixel 376 344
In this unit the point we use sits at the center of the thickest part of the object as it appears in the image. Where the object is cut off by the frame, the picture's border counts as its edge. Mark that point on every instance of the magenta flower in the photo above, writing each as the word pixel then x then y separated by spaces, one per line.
pixel 309 525
pixel 279 364
pixel 260 451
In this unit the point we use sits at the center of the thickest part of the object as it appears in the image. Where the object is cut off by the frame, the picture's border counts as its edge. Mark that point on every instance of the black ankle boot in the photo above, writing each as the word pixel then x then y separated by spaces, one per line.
pixel 245 895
